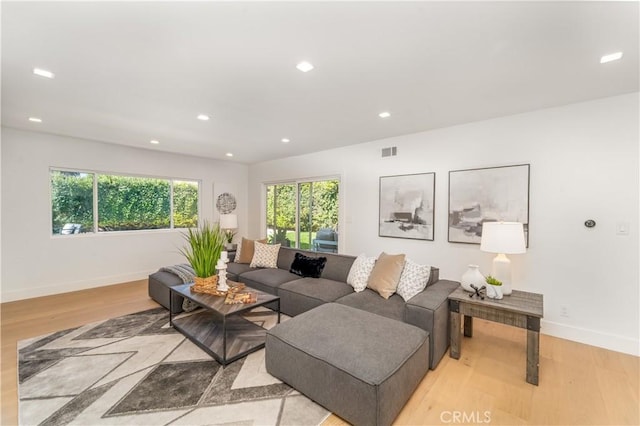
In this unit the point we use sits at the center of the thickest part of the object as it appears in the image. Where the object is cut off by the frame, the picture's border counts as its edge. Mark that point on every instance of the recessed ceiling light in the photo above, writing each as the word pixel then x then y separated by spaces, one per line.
pixel 203 117
pixel 610 57
pixel 154 142
pixel 229 154
pixel 384 114
pixel 35 119
pixel 285 140
pixel 304 66
pixel 43 73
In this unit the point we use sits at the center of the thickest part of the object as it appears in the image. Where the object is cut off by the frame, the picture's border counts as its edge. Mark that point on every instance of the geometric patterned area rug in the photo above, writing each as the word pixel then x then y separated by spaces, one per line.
pixel 138 370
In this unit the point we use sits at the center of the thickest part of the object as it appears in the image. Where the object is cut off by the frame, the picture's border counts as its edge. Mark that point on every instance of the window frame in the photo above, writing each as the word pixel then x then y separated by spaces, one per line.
pixel 94 232
pixel 297 182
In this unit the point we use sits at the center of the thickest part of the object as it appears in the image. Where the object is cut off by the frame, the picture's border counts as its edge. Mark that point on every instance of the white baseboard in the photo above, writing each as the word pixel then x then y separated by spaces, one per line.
pixel 12 296
pixel 591 337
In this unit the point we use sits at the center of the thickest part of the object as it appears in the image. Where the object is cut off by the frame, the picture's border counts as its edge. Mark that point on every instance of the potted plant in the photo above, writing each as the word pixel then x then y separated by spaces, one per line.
pixel 202 251
pixel 228 236
pixel 494 288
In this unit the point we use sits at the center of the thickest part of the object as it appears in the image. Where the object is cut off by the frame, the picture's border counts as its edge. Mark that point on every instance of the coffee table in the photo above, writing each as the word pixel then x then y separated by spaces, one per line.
pixel 220 329
pixel 520 309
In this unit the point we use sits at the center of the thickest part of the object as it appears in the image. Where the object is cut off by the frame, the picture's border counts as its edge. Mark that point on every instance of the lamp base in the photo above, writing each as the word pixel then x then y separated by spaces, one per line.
pixel 501 270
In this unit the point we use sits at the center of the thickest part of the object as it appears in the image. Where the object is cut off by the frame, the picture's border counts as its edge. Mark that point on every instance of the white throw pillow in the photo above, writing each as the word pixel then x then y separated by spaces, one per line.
pixel 360 271
pixel 413 280
pixel 265 255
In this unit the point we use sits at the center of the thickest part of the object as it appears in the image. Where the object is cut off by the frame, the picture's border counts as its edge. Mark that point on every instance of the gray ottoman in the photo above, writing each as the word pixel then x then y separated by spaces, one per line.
pixel 361 366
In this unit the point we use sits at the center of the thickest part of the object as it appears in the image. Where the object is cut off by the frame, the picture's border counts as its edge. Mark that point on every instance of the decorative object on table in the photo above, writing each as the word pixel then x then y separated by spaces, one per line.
pixel 226 203
pixel 494 288
pixel 221 266
pixel 407 206
pixel 228 223
pixel 234 288
pixel 234 298
pixel 472 276
pixel 478 196
pixel 477 291
pixel 202 251
pixel 503 238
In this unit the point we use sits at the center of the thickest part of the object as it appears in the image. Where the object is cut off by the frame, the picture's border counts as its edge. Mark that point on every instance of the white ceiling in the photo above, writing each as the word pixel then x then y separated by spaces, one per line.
pixel 130 72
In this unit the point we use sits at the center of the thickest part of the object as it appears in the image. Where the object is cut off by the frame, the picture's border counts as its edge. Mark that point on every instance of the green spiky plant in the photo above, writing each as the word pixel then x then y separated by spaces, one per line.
pixel 493 281
pixel 203 249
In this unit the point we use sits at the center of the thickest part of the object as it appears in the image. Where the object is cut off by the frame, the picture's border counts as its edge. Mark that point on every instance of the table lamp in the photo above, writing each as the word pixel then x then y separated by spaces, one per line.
pixel 503 238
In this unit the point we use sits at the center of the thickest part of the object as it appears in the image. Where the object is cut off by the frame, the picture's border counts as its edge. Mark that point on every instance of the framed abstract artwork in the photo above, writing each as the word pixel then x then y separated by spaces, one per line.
pixel 406 206
pixel 487 195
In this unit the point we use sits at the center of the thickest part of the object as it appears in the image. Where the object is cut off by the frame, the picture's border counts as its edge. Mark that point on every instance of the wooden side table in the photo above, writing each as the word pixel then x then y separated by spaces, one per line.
pixel 520 309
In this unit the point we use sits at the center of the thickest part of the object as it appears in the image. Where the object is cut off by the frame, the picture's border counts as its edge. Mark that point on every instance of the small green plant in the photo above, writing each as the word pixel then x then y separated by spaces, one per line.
pixel 203 248
pixel 228 235
pixel 492 281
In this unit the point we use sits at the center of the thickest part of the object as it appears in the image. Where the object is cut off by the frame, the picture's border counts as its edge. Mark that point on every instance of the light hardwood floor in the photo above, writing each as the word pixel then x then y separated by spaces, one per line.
pixel 579 384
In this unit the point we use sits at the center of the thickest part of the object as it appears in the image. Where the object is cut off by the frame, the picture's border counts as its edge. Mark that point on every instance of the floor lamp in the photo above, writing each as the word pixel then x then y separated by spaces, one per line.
pixel 503 238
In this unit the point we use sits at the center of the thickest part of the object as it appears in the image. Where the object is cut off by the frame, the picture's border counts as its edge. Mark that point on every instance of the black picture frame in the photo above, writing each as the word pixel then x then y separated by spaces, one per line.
pixel 406 206
pixel 487 194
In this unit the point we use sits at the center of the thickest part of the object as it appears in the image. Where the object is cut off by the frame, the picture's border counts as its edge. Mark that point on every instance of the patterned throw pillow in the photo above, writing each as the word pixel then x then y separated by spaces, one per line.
pixel 244 253
pixel 238 252
pixel 360 271
pixel 413 280
pixel 265 255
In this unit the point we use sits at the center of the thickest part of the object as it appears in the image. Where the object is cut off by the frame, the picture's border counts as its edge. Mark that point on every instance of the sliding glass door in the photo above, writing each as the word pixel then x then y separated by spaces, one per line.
pixel 304 214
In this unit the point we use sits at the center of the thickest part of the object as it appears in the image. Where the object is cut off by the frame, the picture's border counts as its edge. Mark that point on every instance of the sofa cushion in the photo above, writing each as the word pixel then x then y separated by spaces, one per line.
pixel 360 270
pixel 235 269
pixel 303 294
pixel 307 266
pixel 267 280
pixel 413 280
pixel 386 273
pixel 370 301
pixel 265 255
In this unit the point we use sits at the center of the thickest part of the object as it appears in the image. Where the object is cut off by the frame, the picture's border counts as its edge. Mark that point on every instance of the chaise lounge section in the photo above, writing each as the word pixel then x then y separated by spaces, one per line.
pixel 359 365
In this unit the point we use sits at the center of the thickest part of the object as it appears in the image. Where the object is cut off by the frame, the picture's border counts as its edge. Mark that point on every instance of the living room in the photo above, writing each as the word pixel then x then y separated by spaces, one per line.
pixel 581 145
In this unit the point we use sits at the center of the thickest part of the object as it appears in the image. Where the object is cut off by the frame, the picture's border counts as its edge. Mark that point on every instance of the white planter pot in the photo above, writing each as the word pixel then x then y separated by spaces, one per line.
pixel 494 291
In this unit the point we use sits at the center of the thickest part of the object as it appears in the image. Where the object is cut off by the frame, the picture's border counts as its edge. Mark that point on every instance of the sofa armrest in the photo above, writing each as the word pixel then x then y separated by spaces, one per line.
pixel 429 310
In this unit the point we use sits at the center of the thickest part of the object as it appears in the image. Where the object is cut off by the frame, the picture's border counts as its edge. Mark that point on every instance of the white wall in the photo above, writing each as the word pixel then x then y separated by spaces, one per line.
pixel 35 264
pixel 584 165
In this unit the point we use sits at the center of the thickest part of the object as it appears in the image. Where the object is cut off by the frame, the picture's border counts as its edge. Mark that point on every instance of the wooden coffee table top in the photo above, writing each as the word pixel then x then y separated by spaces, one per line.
pixel 216 303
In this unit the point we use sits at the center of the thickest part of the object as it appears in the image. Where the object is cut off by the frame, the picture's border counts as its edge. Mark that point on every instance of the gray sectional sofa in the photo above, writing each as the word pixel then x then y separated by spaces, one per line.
pixel 428 310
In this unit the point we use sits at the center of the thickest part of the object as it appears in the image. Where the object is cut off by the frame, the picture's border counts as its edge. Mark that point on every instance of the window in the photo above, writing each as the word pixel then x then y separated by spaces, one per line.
pixel 89 202
pixel 303 214
pixel 72 202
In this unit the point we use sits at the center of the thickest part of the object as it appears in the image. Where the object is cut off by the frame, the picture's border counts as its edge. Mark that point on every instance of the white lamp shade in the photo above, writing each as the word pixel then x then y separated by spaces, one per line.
pixel 228 221
pixel 503 237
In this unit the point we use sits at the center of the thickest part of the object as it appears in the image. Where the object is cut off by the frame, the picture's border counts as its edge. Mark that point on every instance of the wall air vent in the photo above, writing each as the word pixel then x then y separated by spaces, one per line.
pixel 390 152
